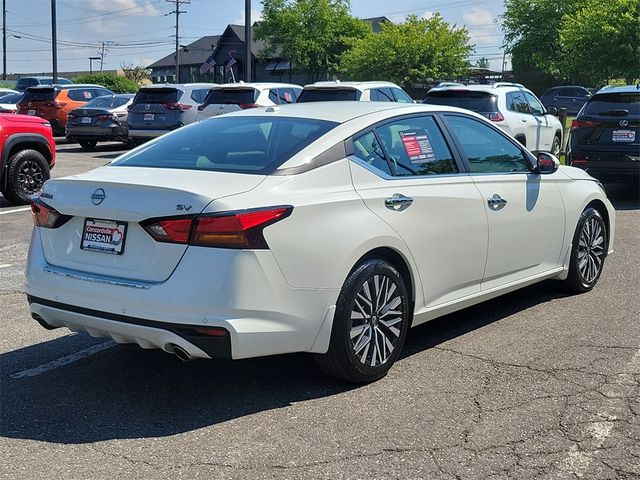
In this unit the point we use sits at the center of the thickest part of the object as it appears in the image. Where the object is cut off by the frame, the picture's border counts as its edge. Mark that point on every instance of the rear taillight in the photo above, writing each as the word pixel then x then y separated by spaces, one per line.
pixel 105 117
pixel 243 229
pixel 55 104
pixel 45 216
pixel 72 115
pixel 495 117
pixel 176 106
pixel 582 124
pixel 247 105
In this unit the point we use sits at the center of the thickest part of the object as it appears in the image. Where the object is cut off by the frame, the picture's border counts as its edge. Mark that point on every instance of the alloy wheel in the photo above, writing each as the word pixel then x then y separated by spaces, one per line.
pixel 30 177
pixel 591 249
pixel 376 320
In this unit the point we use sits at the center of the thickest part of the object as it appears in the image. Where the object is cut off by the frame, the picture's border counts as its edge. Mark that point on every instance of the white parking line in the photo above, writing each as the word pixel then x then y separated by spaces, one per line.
pixel 62 361
pixel 15 210
pixel 5 265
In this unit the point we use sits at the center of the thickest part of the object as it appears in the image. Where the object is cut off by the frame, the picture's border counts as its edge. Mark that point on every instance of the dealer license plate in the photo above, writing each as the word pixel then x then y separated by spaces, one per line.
pixel 31 112
pixel 85 120
pixel 149 116
pixel 104 236
pixel 623 136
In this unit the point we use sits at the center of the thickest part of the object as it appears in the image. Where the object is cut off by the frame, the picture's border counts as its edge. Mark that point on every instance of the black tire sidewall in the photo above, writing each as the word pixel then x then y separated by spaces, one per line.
pixel 576 281
pixel 340 337
pixel 88 145
pixel 13 192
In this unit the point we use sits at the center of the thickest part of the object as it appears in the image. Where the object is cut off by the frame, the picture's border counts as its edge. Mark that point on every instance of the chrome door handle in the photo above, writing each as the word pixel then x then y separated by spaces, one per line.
pixel 496 202
pixel 397 200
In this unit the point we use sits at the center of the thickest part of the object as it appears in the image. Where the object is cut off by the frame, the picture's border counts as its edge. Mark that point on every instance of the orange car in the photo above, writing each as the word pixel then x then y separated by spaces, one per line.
pixel 54 102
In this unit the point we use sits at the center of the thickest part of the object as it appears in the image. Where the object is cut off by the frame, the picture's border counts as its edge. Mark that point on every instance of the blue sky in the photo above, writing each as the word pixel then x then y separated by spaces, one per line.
pixel 139 32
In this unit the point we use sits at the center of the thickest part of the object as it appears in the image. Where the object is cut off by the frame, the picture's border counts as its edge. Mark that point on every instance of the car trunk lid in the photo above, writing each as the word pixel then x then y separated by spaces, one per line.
pixel 225 100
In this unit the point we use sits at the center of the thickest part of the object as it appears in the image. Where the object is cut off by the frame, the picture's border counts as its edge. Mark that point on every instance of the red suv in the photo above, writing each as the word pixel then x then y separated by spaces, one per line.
pixel 27 154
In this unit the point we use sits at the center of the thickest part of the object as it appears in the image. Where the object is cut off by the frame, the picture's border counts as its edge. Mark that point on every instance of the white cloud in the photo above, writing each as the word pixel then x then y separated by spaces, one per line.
pixel 477 16
pixel 400 18
pixel 481 25
pixel 113 15
pixel 256 16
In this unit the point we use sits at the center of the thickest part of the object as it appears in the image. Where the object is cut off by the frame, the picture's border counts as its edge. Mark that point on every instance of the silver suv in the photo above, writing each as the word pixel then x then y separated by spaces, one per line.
pixel 158 109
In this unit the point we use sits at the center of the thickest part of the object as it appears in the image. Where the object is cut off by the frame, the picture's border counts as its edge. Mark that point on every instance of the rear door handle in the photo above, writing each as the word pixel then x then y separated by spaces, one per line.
pixel 397 202
pixel 496 202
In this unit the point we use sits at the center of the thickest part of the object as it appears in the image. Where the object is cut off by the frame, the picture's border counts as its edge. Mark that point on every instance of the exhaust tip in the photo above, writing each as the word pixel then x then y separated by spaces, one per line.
pixel 42 323
pixel 181 353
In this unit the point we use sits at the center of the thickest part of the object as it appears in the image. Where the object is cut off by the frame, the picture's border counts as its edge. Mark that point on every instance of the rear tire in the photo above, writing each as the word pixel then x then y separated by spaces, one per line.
pixel 370 324
pixel 26 173
pixel 588 252
pixel 88 145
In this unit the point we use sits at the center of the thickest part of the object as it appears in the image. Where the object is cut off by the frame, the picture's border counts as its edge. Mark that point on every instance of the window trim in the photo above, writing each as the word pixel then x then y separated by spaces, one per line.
pixel 350 153
pixel 460 151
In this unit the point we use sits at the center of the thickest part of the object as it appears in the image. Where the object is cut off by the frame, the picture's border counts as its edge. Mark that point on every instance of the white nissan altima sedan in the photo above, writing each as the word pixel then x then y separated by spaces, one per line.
pixel 328 228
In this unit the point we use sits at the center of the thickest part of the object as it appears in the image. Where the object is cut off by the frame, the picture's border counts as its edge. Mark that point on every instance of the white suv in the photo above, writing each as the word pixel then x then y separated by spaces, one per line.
pixel 231 97
pixel 358 91
pixel 510 106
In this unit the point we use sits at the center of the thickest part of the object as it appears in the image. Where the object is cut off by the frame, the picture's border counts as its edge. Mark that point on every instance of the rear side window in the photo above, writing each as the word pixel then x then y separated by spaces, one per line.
pixel 26 83
pixel 107 102
pixel 401 96
pixel 81 94
pixel 255 145
pixel 329 95
pixel 368 149
pixel 381 95
pixel 157 95
pixel 233 96
pixel 39 95
pixel 614 104
pixel 481 102
pixel 273 96
pixel 287 95
pixel 516 102
pixel 199 95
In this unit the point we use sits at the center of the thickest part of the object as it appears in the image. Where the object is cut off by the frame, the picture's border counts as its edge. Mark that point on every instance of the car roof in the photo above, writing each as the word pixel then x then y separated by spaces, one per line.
pixel 40 77
pixel 495 88
pixel 257 85
pixel 178 85
pixel 620 89
pixel 353 85
pixel 65 86
pixel 343 111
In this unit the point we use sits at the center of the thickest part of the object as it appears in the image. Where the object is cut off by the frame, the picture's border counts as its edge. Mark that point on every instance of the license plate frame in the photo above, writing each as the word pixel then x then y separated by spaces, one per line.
pixel 31 112
pixel 149 116
pixel 104 231
pixel 623 136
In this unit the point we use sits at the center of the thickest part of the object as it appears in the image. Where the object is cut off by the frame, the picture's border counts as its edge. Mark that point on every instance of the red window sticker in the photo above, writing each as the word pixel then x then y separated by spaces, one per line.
pixel 417 145
pixel 86 94
pixel 288 98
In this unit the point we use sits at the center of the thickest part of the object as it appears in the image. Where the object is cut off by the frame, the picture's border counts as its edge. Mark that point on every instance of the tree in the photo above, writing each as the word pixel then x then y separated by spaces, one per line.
pixel 482 63
pixel 408 53
pixel 312 34
pixel 137 74
pixel 113 82
pixel 601 41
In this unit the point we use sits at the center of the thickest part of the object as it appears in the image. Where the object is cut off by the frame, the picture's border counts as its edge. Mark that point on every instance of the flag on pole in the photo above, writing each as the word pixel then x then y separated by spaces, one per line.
pixel 208 64
pixel 231 62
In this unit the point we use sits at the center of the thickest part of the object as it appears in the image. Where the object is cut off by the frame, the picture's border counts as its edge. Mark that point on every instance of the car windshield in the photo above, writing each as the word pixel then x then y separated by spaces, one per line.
pixel 614 104
pixel 242 144
pixel 483 102
pixel 157 95
pixel 235 96
pixel 39 95
pixel 329 95
pixel 107 101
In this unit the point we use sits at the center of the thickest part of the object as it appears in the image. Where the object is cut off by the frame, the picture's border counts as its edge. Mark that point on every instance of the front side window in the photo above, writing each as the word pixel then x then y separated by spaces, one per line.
pixel 487 150
pixel 415 146
pixel 534 104
pixel 400 96
pixel 255 145
pixel 273 96
pixel 329 95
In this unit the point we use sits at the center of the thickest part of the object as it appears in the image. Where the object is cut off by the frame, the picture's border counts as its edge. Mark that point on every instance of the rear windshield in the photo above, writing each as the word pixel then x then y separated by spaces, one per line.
pixel 10 98
pixel 108 101
pixel 329 95
pixel 235 96
pixel 614 104
pixel 39 95
pixel 255 145
pixel 477 101
pixel 157 95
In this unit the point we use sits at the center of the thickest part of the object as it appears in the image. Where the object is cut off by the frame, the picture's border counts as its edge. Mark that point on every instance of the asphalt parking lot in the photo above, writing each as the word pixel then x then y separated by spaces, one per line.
pixel 536 384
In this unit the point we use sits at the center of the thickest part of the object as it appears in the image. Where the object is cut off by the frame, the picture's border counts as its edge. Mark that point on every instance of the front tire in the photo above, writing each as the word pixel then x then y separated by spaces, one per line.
pixel 88 145
pixel 370 324
pixel 588 252
pixel 26 173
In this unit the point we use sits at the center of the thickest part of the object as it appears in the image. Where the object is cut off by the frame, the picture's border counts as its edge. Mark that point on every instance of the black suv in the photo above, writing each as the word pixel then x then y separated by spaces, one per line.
pixel 605 136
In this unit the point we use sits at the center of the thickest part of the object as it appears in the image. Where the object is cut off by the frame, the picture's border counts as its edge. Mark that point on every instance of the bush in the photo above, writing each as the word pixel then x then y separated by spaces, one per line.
pixel 110 81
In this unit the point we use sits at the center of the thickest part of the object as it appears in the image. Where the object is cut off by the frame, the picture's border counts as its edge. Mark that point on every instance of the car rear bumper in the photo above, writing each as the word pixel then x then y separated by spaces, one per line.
pixel 608 166
pixel 142 133
pixel 240 291
pixel 94 133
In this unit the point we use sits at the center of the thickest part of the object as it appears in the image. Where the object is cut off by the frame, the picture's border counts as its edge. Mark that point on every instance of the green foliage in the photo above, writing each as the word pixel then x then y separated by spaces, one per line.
pixel 110 81
pixel 408 53
pixel 601 41
pixel 313 34
pixel 482 63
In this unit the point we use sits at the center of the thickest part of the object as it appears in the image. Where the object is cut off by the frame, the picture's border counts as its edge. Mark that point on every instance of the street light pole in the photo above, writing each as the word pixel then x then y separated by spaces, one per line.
pixel 91 59
pixel 54 40
pixel 4 39
pixel 247 40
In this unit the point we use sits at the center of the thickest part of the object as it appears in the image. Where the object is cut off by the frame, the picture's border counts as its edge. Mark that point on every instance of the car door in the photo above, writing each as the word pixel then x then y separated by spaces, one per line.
pixel 545 130
pixel 406 174
pixel 523 123
pixel 524 210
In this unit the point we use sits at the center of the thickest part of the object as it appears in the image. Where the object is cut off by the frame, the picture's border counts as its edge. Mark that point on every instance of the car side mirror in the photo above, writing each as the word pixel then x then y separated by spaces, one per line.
pixel 547 163
pixel 552 110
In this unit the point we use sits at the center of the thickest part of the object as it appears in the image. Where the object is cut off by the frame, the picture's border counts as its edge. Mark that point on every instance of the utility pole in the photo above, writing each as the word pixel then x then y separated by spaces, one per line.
pixel 247 40
pixel 54 42
pixel 4 39
pixel 177 13
pixel 102 51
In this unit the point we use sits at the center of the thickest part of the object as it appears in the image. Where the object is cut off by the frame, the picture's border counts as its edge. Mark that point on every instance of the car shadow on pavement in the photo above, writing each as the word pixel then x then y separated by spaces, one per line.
pixel 624 197
pixel 124 392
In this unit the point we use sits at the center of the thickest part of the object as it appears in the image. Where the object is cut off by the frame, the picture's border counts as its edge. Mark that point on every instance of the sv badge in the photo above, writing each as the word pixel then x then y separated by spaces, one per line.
pixel 183 207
